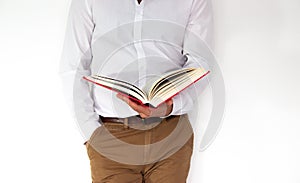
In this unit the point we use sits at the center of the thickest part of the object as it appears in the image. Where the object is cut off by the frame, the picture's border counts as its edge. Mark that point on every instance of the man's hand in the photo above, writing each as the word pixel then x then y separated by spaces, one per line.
pixel 145 112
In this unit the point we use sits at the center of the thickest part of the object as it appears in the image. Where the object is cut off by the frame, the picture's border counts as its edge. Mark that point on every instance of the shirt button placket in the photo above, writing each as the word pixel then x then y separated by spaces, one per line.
pixel 139 10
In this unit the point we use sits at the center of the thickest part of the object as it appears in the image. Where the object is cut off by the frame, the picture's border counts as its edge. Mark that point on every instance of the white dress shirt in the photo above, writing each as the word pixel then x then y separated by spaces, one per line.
pixel 132 42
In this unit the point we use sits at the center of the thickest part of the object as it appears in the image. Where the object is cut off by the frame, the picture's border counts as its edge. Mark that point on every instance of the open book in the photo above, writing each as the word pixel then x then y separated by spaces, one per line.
pixel 157 90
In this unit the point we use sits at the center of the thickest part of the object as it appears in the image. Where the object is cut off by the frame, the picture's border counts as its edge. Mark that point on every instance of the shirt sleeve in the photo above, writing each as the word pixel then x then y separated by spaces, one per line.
pixel 198 37
pixel 75 63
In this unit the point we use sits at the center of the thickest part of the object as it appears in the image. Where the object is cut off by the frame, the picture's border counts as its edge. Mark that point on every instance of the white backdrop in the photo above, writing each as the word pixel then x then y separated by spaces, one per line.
pixel 257 45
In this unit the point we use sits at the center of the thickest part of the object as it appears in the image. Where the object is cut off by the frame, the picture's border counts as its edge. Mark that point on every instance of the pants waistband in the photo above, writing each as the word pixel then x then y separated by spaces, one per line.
pixel 133 119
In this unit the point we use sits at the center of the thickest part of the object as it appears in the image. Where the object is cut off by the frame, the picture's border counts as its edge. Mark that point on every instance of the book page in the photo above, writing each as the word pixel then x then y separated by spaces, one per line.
pixel 156 81
pixel 168 81
pixel 119 86
pixel 173 83
pixel 177 85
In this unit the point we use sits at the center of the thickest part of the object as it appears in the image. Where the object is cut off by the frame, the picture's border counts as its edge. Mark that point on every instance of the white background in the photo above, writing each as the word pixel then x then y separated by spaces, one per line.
pixel 257 45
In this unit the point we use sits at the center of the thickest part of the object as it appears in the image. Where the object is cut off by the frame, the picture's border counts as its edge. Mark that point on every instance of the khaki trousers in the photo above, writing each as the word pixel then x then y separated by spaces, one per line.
pixel 142 153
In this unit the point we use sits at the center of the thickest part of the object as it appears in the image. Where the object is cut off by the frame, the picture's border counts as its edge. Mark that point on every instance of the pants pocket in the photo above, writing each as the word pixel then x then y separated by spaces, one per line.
pixel 96 131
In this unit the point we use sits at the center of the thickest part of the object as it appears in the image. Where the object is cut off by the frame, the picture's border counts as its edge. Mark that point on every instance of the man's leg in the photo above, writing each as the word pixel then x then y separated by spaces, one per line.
pixel 105 170
pixel 172 169
pixel 175 166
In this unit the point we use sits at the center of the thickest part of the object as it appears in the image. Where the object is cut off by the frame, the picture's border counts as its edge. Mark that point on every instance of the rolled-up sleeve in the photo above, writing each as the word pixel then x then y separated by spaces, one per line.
pixel 75 63
pixel 197 42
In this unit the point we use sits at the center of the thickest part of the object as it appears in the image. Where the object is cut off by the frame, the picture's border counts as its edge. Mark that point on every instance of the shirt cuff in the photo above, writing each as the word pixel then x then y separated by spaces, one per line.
pixel 183 102
pixel 177 106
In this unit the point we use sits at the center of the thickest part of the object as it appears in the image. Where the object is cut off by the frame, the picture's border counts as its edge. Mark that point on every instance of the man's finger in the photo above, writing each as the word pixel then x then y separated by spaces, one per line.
pixel 125 99
pixel 139 108
pixel 169 102
pixel 144 115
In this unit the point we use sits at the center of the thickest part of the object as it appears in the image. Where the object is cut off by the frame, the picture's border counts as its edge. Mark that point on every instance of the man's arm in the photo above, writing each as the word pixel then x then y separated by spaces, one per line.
pixel 198 33
pixel 75 63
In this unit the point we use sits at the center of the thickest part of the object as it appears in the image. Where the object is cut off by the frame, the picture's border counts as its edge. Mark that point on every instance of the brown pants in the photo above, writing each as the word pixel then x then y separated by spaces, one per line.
pixel 142 153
